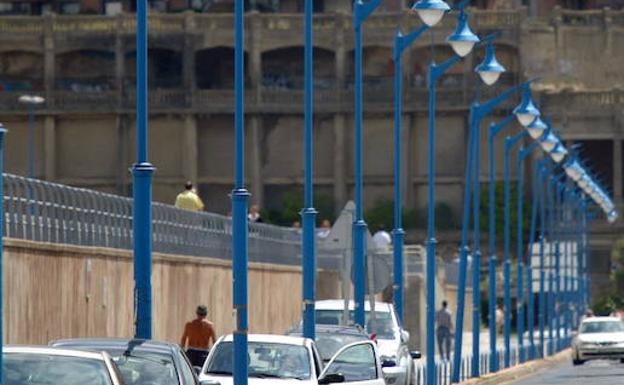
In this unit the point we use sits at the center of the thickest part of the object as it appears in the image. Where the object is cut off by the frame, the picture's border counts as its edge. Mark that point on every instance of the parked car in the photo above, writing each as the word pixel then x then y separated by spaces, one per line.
pixel 141 361
pixel 598 338
pixel 50 366
pixel 330 338
pixel 391 338
pixel 287 360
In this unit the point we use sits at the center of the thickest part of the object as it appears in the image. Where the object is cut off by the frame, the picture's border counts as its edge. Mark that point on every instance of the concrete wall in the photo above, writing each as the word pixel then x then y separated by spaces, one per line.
pixel 56 291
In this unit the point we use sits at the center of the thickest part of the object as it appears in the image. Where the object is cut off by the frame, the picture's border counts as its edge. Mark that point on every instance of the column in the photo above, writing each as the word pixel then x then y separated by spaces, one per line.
pixel 124 154
pixel 188 54
pixel 257 186
pixel 119 61
pixel 617 169
pixel 189 153
pixel 255 55
pixel 49 152
pixel 340 180
pixel 48 58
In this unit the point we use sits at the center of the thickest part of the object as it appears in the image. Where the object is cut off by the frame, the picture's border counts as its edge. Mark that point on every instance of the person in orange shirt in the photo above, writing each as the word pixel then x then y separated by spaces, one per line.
pixel 198 336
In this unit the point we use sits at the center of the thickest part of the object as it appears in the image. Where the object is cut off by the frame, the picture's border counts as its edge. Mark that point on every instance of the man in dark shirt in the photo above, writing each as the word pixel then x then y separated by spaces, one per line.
pixel 445 327
pixel 198 336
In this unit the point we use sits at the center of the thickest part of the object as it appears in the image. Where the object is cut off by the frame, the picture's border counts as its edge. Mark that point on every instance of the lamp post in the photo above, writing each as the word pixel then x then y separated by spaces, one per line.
pixel 495 128
pixel 308 214
pixel 3 132
pixel 361 11
pixel 31 101
pixel 510 141
pixel 401 42
pixel 522 154
pixel 142 172
pixel 240 199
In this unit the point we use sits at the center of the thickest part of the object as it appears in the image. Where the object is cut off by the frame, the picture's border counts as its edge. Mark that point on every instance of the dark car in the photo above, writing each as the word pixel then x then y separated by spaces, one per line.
pixel 140 362
pixel 330 338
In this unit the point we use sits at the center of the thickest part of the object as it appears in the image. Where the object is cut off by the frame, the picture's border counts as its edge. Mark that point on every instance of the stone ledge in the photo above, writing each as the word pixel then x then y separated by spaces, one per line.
pixel 520 371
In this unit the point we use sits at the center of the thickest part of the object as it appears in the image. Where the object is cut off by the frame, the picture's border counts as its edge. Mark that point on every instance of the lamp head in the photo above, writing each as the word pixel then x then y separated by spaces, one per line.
pixel 549 142
pixel 536 128
pixel 430 11
pixel 558 153
pixel 31 99
pixel 463 39
pixel 490 69
pixel 526 111
pixel 612 216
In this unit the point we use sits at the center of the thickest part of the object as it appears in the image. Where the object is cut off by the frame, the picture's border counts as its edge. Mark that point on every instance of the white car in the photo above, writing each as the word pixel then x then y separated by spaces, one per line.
pixel 398 361
pixel 284 360
pixel 599 338
pixel 45 365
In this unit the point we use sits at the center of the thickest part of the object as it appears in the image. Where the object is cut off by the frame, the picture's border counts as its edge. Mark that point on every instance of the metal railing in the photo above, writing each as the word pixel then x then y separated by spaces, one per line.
pixel 48 212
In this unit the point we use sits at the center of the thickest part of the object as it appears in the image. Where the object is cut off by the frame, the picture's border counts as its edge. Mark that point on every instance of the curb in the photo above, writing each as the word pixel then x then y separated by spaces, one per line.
pixel 520 371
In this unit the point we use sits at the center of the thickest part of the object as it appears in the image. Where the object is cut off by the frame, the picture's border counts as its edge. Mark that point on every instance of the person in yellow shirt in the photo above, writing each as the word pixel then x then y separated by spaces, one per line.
pixel 188 199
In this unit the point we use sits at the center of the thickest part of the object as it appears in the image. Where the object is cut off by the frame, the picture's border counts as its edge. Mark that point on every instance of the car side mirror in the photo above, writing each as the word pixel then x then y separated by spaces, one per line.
pixel 405 336
pixel 333 378
pixel 388 363
pixel 415 354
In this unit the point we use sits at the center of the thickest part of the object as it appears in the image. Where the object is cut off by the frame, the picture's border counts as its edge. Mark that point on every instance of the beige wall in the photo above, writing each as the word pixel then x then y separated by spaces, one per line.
pixel 57 291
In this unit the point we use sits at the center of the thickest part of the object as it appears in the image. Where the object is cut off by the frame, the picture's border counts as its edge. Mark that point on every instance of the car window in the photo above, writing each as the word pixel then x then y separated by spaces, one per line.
pixel 41 369
pixel 266 360
pixel 186 371
pixel 318 364
pixel 355 363
pixel 602 327
pixel 328 343
pixel 384 326
pixel 146 369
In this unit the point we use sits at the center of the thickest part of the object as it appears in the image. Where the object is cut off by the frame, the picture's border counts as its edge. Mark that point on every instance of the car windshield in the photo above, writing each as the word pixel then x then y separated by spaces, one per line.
pixel 42 369
pixel 602 327
pixel 383 325
pixel 329 343
pixel 266 360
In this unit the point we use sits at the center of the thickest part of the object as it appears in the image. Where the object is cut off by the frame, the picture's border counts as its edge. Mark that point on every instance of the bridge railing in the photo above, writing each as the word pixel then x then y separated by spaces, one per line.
pixel 41 211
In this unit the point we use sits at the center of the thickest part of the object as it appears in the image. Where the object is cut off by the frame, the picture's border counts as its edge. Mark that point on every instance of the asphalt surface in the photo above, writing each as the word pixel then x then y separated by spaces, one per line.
pixel 591 373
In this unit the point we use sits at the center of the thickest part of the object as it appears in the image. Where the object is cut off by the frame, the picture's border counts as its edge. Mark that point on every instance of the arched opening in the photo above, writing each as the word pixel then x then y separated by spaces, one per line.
pixel 164 68
pixel 377 67
pixel 421 58
pixel 20 70
pixel 85 71
pixel 283 68
pixel 214 68
pixel 601 154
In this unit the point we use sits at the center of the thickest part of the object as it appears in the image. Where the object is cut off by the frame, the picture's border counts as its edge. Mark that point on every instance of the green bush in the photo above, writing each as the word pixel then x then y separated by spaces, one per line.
pixel 292 203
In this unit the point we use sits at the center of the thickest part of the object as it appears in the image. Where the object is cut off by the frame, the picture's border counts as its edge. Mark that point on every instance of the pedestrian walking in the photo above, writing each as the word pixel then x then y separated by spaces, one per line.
pixel 500 318
pixel 325 229
pixel 254 214
pixel 382 239
pixel 188 199
pixel 199 335
pixel 445 328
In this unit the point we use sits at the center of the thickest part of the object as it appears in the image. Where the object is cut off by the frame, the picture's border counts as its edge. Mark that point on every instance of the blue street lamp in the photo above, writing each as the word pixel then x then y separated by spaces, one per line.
pixel 240 198
pixel 361 11
pixel 522 155
pixel 435 72
pixel 510 141
pixel 401 42
pixel 3 132
pixel 495 128
pixel 431 11
pixel 142 172
pixel 308 214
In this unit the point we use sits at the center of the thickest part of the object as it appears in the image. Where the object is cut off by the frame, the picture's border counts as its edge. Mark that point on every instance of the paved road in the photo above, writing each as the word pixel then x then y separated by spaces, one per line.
pixel 592 373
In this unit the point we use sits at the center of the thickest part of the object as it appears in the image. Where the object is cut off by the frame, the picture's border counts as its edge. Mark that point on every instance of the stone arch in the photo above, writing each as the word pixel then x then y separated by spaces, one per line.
pixel 283 68
pixel 85 70
pixel 214 68
pixel 377 66
pixel 164 68
pixel 21 70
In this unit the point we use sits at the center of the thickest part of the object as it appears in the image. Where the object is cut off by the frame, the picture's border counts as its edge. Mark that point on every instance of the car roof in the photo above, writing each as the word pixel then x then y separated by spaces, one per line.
pixel 53 351
pixel 334 329
pixel 338 304
pixel 271 338
pixel 602 319
pixel 133 344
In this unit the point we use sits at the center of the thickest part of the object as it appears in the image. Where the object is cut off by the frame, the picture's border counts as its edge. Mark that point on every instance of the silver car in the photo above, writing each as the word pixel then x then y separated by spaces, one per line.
pixel 45 365
pixel 598 338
